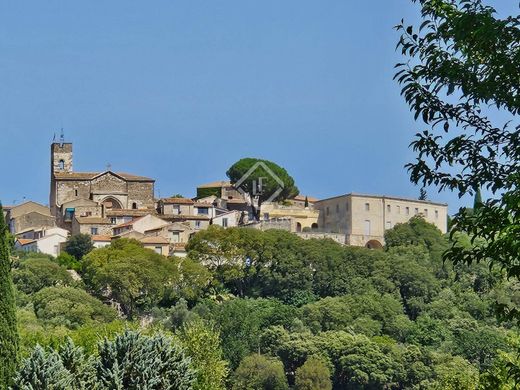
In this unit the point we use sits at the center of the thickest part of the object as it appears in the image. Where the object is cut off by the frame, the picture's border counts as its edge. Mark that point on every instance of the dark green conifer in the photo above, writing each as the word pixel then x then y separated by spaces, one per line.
pixel 8 330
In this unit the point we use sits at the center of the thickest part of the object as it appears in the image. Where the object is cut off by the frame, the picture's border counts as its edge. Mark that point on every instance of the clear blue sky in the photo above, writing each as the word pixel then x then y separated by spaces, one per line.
pixel 180 90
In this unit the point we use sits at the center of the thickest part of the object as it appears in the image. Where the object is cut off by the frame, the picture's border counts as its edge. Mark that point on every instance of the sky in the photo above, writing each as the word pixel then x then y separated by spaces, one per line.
pixel 180 90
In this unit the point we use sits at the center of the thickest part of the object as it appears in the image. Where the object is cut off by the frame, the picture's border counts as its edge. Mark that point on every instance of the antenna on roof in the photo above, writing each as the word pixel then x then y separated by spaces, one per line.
pixel 62 137
pixel 109 166
pixel 54 137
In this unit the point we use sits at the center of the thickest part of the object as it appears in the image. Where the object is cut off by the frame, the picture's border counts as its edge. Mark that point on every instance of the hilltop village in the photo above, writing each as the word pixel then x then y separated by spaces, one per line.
pixel 109 205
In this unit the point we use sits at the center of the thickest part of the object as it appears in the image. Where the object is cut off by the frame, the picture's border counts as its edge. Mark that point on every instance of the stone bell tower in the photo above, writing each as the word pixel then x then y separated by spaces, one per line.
pixel 61 162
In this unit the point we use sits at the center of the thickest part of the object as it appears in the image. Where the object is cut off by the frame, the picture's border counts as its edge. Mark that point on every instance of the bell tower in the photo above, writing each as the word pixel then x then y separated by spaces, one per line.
pixel 61 157
pixel 61 162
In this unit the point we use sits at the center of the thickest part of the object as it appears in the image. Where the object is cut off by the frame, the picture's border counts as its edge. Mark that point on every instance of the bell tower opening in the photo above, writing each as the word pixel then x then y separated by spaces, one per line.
pixel 61 157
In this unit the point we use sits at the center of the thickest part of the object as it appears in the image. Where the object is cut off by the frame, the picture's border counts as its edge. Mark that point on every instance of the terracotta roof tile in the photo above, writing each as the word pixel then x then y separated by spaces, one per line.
pixel 93 220
pixel 215 184
pixel 177 201
pixel 24 241
pixel 129 223
pixel 129 212
pixel 92 175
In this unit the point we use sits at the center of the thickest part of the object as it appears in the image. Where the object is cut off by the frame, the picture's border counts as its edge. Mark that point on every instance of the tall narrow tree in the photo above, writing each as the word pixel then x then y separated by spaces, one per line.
pixel 8 330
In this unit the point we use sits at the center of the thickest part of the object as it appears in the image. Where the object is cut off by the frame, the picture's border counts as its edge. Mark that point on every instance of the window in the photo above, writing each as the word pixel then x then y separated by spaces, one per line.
pixel 175 237
pixel 388 208
pixel 94 231
pixel 408 211
pixel 134 206
pixel 416 210
pixel 388 225
pixel 367 206
pixel 113 220
pixel 398 209
pixel 436 214
pixel 69 214
pixel 328 211
pixel 61 165
pixel 425 212
pixel 224 222
pixel 197 224
pixel 76 192
pixel 203 210
pixel 367 228
pixel 176 209
pixel 266 216
pixel 158 250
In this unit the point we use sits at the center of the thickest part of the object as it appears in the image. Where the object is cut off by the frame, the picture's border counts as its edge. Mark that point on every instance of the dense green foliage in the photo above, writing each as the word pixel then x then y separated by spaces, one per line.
pixel 8 329
pixel 463 64
pixel 263 310
pixel 130 361
pixel 262 180
pixel 260 372
pixel 79 245
pixel 33 274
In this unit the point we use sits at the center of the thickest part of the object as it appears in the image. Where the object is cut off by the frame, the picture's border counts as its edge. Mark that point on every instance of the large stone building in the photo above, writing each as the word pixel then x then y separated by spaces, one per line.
pixel 364 218
pixel 77 195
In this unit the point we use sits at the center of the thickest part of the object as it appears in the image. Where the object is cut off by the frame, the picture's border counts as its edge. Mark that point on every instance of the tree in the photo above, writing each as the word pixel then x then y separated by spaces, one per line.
pixel 257 372
pixel 79 245
pixel 71 307
pixel 422 194
pixel 260 179
pixel 8 331
pixel 463 64
pixel 34 274
pixel 202 343
pixel 313 375
pixel 133 361
pixel 135 277
pixel 306 204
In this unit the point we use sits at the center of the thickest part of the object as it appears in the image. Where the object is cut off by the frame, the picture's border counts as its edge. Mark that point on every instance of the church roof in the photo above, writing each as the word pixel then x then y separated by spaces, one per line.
pixel 92 175
pixel 216 184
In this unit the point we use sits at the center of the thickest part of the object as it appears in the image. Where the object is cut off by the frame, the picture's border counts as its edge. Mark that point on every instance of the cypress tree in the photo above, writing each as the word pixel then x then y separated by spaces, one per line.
pixel 306 202
pixel 8 330
pixel 477 202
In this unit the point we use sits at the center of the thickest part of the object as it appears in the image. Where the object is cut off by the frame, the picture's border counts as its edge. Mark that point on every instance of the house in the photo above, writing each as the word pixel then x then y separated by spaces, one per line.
pixel 227 219
pixel 299 200
pixel 221 189
pixel 29 215
pixel 301 219
pixel 100 241
pixel 159 245
pixel 365 218
pixel 91 225
pixel 50 243
pixel 139 225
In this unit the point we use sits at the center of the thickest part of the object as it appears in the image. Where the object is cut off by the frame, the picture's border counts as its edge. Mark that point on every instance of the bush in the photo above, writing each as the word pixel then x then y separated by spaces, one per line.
pixel 35 274
pixel 70 307
pixel 258 372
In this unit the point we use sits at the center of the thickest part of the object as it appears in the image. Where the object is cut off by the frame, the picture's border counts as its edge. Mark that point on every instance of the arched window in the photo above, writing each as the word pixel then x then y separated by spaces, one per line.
pixel 61 165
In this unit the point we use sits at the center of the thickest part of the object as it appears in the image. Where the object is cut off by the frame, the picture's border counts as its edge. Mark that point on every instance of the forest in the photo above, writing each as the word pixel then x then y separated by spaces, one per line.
pixel 251 309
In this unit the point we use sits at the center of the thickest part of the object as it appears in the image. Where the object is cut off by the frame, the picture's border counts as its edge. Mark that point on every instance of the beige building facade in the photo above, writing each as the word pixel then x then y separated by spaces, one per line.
pixel 365 218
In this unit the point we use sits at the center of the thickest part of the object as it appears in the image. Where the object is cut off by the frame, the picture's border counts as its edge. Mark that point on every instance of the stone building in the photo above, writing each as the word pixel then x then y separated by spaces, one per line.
pixel 93 194
pixel 365 218
pixel 29 216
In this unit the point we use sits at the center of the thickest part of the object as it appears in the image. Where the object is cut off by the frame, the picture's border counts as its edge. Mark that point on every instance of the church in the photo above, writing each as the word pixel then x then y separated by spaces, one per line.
pixel 83 196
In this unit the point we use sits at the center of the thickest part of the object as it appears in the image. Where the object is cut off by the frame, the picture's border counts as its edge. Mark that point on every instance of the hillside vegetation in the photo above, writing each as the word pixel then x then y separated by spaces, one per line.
pixel 267 310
